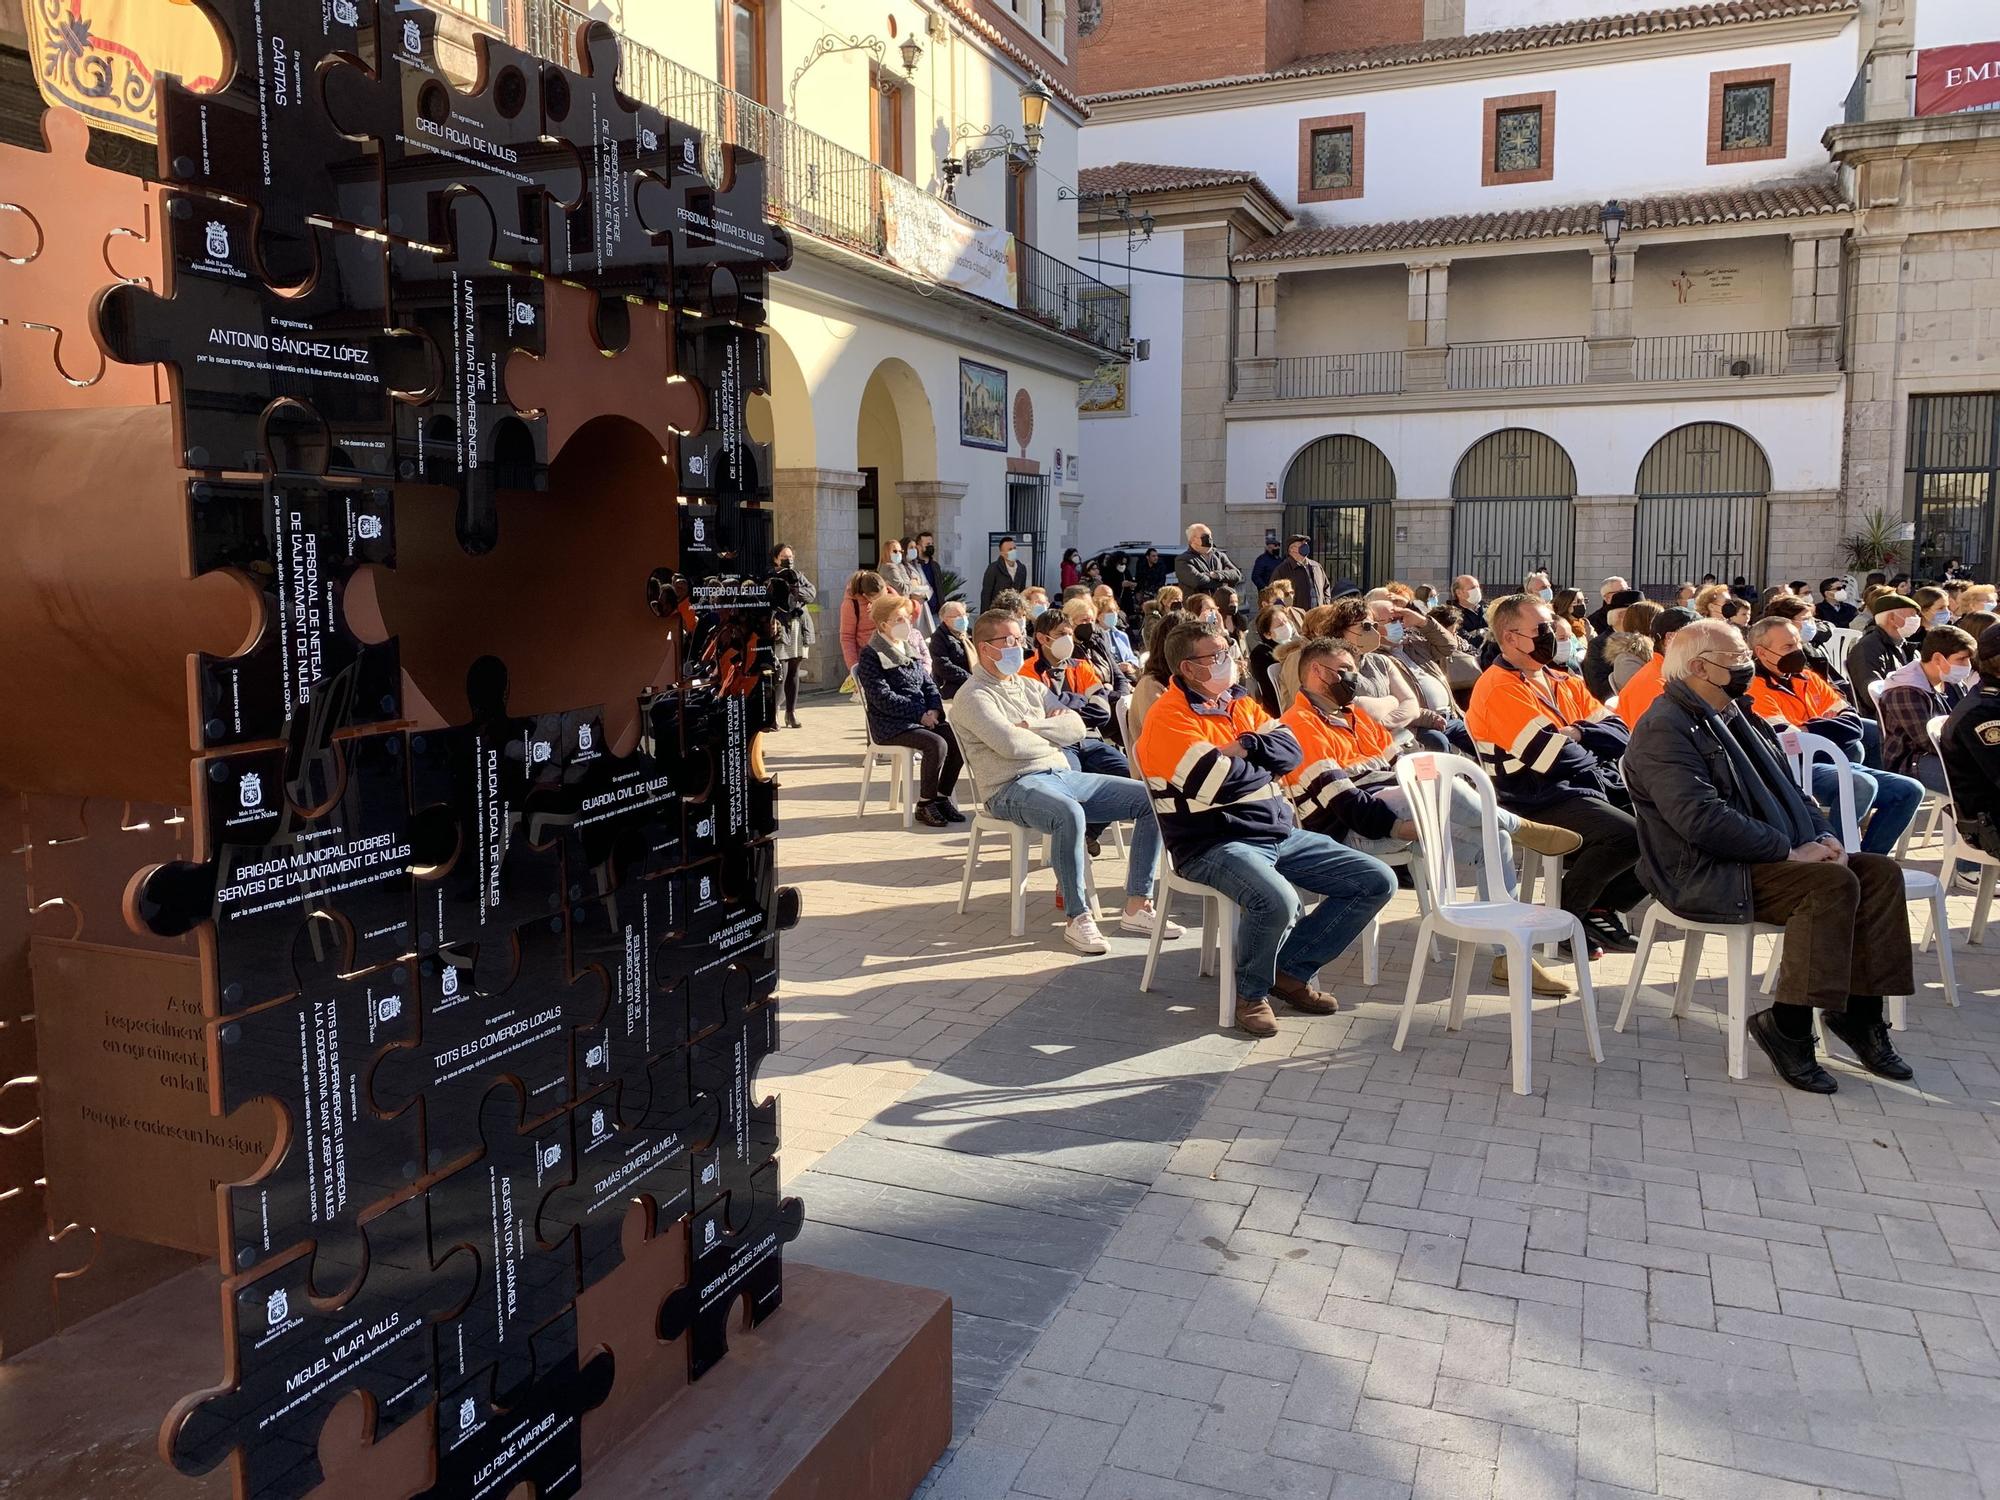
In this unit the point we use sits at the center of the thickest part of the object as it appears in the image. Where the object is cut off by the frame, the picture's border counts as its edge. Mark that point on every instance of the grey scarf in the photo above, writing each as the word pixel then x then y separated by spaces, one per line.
pixel 1774 797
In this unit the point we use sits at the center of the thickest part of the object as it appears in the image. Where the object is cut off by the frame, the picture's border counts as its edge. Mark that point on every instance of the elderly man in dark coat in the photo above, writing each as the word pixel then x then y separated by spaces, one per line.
pixel 1725 835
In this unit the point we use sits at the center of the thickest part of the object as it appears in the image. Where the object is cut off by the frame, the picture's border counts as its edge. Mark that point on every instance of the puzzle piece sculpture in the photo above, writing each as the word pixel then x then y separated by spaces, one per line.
pixel 505 985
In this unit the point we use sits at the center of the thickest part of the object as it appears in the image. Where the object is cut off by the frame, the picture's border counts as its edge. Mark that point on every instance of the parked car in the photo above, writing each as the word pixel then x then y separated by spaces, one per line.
pixel 1133 555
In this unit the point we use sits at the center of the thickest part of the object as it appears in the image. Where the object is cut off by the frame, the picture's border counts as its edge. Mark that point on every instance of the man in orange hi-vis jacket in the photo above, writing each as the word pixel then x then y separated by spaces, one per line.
pixel 1212 759
pixel 1552 751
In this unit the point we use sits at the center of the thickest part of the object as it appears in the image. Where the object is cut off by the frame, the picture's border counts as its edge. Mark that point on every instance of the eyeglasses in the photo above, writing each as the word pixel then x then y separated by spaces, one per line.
pixel 1208 660
pixel 1744 660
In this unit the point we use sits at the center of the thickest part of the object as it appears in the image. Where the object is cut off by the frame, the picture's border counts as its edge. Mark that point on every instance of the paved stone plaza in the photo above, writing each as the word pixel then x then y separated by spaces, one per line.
pixel 1185 1265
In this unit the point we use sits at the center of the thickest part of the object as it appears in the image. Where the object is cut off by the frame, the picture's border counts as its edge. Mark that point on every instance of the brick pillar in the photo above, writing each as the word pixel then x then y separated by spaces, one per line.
pixel 1423 543
pixel 1801 542
pixel 1603 537
pixel 1205 339
pixel 1609 352
pixel 817 516
pixel 1873 339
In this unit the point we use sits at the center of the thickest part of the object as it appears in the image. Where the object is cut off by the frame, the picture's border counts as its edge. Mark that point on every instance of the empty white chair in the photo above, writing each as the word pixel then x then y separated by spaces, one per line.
pixel 1806 750
pixel 1956 848
pixel 902 788
pixel 1428 780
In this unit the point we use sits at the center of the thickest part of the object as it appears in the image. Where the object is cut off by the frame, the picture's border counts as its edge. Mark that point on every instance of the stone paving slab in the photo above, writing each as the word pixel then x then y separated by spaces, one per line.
pixel 1331 1269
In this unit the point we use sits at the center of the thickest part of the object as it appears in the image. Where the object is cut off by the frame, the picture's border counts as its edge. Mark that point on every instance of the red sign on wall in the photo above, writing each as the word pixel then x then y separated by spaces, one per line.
pixel 1951 79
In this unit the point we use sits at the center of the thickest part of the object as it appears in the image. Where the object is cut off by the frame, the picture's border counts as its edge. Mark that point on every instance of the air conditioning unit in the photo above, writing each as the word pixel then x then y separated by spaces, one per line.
pixel 1138 349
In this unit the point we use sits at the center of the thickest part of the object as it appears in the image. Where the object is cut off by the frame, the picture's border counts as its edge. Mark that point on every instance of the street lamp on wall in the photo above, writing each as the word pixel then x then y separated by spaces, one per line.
pixel 1611 220
pixel 1035 100
pixel 913 51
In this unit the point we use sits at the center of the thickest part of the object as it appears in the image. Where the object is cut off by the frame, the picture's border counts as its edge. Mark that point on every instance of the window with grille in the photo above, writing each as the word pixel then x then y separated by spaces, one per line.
pixel 1517 139
pixel 1333 158
pixel 1747 113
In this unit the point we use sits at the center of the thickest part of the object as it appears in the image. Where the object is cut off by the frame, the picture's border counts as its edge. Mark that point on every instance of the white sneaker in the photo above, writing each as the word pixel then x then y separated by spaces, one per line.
pixel 1141 922
pixel 1081 933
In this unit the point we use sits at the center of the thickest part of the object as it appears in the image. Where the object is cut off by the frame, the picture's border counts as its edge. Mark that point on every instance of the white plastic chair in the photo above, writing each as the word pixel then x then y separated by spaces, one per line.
pixel 1550 868
pixel 1806 750
pixel 985 825
pixel 902 788
pixel 1217 954
pixel 1956 848
pixel 1428 779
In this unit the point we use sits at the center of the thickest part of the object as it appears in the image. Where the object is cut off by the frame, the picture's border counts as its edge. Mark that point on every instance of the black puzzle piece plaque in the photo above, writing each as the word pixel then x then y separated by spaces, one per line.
pixel 732 1267
pixel 299 541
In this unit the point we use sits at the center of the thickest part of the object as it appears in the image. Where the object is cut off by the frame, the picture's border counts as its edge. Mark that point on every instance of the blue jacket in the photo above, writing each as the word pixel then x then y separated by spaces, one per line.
pixel 894 693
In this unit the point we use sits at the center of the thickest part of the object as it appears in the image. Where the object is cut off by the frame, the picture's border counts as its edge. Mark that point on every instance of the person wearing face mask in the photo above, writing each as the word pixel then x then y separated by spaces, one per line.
pixel 927 560
pixel 1266 564
pixel 1006 571
pixel 951 650
pixel 1644 685
pixel 1014 736
pixel 1884 646
pixel 1072 567
pixel 1684 597
pixel 1814 633
pixel 904 708
pixel 1971 741
pixel 1471 601
pixel 792 633
pixel 1919 691
pixel 1345 787
pixel 1204 565
pixel 1837 607
pixel 903 572
pixel 1933 607
pixel 1725 835
pixel 1117 639
pixel 1371 629
pixel 1536 586
pixel 1610 621
pixel 1213 761
pixel 1307 577
pixel 1073 684
pixel 1552 751
pixel 1277 626
pixel 1035 599
pixel 1787 693
pixel 1094 649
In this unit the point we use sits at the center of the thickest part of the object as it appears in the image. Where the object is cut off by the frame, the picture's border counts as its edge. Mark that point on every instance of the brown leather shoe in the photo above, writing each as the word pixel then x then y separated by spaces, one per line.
pixel 1256 1017
pixel 1301 996
pixel 1545 982
pixel 1546 838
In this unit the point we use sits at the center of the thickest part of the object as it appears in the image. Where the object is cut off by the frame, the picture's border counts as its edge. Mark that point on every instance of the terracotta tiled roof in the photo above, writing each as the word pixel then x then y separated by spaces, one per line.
pixel 1776 200
pixel 1514 39
pixel 1153 177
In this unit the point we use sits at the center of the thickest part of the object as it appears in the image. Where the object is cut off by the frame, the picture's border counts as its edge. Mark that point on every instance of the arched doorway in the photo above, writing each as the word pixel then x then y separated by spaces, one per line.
pixel 1340 491
pixel 1704 507
pixel 895 441
pixel 1512 511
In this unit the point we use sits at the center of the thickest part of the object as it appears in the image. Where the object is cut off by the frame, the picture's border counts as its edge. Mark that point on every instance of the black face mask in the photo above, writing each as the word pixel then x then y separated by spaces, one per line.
pixel 1792 663
pixel 1341 688
pixel 1738 685
pixel 1545 645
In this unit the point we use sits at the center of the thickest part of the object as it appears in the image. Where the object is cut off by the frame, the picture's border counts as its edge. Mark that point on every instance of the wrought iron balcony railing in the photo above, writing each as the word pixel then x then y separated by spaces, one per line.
pixel 818 187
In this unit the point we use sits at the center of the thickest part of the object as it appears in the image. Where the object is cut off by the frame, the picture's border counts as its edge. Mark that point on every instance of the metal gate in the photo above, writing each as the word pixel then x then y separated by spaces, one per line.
pixel 1028 519
pixel 1512 513
pixel 1951 477
pixel 1340 492
pixel 1704 508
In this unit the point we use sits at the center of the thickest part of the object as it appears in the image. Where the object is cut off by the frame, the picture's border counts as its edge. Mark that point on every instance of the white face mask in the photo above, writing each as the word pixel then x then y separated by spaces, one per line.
pixel 1960 675
pixel 895 557
pixel 1808 629
pixel 1280 634
pixel 1940 618
pixel 1476 598
pixel 1546 594
pixel 1909 627
pixel 900 631
pixel 1060 648
pixel 1394 631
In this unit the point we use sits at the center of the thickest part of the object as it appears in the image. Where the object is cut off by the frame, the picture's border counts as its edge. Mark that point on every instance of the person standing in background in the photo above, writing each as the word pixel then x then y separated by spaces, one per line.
pixel 1307 577
pixel 1005 572
pixel 1204 565
pixel 855 623
pixel 1072 568
pixel 1266 566
pixel 927 560
pixel 792 632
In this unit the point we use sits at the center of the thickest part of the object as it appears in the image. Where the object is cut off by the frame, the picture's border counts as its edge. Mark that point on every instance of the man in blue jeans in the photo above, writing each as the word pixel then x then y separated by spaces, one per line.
pixel 1213 759
pixel 1014 733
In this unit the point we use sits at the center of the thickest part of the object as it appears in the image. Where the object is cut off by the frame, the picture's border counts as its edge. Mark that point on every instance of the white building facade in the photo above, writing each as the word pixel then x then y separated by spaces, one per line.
pixel 1437 364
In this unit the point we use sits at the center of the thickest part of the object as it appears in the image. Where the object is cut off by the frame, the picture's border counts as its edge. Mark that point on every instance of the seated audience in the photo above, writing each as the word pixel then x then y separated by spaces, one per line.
pixel 1552 751
pixel 1884 646
pixel 1075 685
pixel 1786 691
pixel 1276 626
pixel 1388 687
pixel 1015 736
pixel 1345 787
pixel 856 622
pixel 1610 621
pixel 1470 601
pixel 1814 634
pixel 1971 741
pixel 1726 836
pixel 904 708
pixel 1834 607
pixel 1919 691
pixel 951 657
pixel 1643 686
pixel 1212 761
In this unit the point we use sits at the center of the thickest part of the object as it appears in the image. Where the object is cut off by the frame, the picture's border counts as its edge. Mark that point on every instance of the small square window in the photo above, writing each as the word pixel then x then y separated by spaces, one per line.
pixel 1747 111
pixel 1517 139
pixel 1333 157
